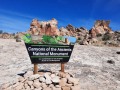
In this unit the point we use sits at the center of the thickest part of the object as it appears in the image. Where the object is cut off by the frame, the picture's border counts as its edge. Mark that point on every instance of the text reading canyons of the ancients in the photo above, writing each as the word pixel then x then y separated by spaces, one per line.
pixel 50 51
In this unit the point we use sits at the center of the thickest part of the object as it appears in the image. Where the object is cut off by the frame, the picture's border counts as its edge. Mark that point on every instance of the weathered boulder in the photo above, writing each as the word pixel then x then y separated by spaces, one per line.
pixel 33 77
pixel 36 84
pixel 44 28
pixel 65 88
pixel 100 27
pixel 55 79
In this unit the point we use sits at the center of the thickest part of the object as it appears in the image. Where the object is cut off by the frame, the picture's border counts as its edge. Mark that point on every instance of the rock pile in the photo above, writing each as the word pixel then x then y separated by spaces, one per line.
pixel 44 81
pixel 82 34
pixel 72 31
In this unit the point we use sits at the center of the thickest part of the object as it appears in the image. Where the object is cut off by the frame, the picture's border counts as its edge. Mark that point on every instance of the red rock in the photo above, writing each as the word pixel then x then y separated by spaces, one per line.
pixel 100 27
pixel 65 88
pixel 41 28
pixel 75 87
pixel 63 82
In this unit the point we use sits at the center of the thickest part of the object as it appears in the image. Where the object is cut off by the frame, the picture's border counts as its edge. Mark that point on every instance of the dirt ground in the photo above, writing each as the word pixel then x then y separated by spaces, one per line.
pixel 97 68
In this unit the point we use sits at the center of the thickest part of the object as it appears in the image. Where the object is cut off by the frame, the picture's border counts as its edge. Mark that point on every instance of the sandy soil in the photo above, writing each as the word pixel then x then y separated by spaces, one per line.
pixel 98 68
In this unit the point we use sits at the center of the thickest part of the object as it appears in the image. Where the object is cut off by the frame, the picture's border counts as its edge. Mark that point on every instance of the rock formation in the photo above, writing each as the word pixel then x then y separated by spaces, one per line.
pixel 100 27
pixel 6 36
pixel 100 34
pixel 44 28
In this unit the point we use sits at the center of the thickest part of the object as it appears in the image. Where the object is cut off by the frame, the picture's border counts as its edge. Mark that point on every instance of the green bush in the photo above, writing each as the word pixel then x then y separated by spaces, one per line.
pixel 52 40
pixel 106 37
pixel 79 38
pixel 45 39
pixel 99 35
pixel 27 38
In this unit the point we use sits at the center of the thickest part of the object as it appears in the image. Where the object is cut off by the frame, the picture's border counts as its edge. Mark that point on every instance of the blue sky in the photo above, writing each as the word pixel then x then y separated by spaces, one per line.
pixel 16 15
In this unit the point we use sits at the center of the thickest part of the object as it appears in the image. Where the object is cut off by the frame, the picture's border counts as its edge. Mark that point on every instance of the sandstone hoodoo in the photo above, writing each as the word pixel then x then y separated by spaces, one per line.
pixel 44 27
pixel 100 27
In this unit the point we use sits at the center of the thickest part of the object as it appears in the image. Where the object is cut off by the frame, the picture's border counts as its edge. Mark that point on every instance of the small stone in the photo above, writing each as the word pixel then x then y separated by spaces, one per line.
pixel 54 88
pixel 57 86
pixel 43 85
pixel 42 79
pixel 73 81
pixel 62 74
pixel 32 87
pixel 9 88
pixel 28 74
pixel 15 81
pixel 52 75
pixel 41 74
pixel 68 75
pixel 49 73
pixel 4 86
pixel 20 86
pixel 55 79
pixel 25 85
pixel 40 88
pixel 46 75
pixel 30 83
pixel 21 79
pixel 33 77
pixel 15 84
pixel 25 82
pixel 28 88
pixel 63 82
pixel 48 81
pixel 66 88
pixel 69 85
pixel 51 85
pixel 36 84
pixel 75 87
pixel 47 88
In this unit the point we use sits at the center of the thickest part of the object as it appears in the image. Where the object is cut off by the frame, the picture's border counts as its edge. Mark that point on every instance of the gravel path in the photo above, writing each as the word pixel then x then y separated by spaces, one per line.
pixel 98 68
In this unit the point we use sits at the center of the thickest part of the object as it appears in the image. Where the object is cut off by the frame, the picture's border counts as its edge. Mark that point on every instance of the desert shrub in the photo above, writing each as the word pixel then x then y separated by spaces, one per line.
pixel 27 38
pixel 45 39
pixel 106 37
pixel 79 38
pixel 99 35
pixel 51 40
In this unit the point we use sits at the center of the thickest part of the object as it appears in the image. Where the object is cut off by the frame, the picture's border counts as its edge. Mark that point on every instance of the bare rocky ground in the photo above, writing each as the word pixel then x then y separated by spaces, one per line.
pixel 97 68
